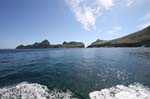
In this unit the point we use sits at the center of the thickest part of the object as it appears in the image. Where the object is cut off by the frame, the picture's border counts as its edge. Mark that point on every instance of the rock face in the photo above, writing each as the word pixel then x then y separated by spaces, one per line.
pixel 46 44
pixel 73 45
pixel 138 39
pixel 43 44
pixel 97 43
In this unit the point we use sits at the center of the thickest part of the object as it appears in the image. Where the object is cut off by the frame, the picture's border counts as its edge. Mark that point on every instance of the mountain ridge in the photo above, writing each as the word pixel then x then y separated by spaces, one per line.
pixel 137 39
pixel 46 44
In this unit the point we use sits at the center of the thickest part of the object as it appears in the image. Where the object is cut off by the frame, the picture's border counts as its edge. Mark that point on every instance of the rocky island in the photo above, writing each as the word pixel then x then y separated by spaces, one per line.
pixel 73 45
pixel 46 44
pixel 137 39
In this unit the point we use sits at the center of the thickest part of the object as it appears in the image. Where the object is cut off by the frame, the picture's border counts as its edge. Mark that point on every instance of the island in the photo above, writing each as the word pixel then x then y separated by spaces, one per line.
pixel 73 45
pixel 137 39
pixel 46 44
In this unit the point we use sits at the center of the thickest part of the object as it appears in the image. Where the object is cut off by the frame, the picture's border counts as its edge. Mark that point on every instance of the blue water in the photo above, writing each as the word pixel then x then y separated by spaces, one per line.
pixel 78 70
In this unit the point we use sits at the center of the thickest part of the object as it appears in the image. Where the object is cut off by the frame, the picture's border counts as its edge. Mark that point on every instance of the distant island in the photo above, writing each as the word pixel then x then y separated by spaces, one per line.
pixel 46 44
pixel 137 39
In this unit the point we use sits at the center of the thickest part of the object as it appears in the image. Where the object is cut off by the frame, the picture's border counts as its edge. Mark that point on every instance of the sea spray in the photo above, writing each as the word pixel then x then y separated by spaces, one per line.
pixel 37 91
pixel 33 91
pixel 135 91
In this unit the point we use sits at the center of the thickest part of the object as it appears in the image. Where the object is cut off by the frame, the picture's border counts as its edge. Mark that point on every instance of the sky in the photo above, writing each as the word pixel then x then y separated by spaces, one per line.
pixel 29 21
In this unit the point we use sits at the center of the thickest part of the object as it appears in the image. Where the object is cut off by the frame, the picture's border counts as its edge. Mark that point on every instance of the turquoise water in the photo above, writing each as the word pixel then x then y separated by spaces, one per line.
pixel 79 71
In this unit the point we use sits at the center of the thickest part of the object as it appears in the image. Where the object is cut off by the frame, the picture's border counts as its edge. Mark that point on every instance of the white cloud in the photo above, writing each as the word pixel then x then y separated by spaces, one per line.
pixel 107 4
pixel 146 17
pixel 130 2
pixel 144 25
pixel 115 29
pixel 146 21
pixel 87 11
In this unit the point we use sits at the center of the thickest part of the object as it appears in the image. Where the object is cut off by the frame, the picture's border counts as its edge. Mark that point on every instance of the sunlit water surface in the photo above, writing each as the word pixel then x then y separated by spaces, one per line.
pixel 95 73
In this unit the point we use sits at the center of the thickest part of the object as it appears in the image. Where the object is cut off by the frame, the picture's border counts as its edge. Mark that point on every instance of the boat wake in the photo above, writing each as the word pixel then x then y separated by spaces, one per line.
pixel 36 91
pixel 33 91
pixel 135 91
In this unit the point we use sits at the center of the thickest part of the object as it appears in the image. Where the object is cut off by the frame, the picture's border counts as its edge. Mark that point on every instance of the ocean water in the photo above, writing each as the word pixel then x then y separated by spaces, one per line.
pixel 104 73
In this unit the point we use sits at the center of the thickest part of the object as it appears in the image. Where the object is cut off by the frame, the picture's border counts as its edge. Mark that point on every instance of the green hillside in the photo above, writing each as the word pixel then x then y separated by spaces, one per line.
pixel 137 39
pixel 73 45
pixel 46 44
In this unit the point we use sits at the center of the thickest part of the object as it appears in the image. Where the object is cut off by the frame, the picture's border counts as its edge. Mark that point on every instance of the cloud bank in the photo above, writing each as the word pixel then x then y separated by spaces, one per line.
pixel 130 2
pixel 115 29
pixel 87 11
pixel 146 21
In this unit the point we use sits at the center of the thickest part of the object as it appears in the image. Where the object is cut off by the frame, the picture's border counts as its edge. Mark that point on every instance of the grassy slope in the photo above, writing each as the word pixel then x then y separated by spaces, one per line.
pixel 73 45
pixel 135 37
pixel 140 36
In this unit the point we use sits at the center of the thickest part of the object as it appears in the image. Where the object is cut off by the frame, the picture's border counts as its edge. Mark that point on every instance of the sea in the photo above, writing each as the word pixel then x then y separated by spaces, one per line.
pixel 75 73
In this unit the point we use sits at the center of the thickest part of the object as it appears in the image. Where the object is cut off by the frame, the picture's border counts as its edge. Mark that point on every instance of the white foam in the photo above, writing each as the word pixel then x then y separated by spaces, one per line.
pixel 36 91
pixel 135 91
pixel 33 91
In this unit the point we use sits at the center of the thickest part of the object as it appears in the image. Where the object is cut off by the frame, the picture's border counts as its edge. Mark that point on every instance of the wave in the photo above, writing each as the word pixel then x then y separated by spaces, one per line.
pixel 134 91
pixel 36 91
pixel 33 91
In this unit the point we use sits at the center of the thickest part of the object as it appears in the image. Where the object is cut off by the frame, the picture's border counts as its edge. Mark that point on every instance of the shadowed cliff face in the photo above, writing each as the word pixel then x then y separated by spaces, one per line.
pixel 46 44
pixel 43 44
pixel 137 39
pixel 73 45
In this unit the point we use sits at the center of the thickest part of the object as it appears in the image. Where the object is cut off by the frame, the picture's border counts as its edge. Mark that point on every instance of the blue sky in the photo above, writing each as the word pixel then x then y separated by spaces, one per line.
pixel 29 21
